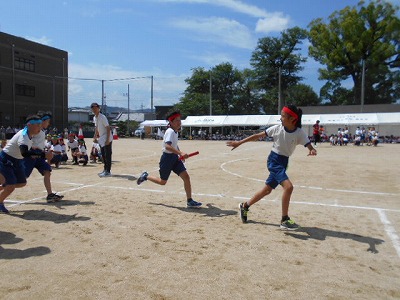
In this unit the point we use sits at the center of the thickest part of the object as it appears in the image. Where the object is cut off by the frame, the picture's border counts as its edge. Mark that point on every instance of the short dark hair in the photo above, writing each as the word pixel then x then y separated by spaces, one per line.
pixel 32 118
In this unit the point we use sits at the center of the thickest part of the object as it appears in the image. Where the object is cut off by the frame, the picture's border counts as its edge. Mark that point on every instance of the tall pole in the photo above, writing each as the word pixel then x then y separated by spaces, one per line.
pixel 151 104
pixel 279 91
pixel 103 98
pixel 54 97
pixel 129 134
pixel 362 85
pixel 210 94
pixel 63 96
pixel 13 83
pixel 210 129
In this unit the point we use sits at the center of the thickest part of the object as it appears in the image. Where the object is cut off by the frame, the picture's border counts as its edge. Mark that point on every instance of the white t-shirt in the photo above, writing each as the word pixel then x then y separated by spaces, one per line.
pixel 19 139
pixel 284 141
pixel 170 136
pixel 57 149
pixel 82 149
pixel 38 141
pixel 73 144
pixel 101 124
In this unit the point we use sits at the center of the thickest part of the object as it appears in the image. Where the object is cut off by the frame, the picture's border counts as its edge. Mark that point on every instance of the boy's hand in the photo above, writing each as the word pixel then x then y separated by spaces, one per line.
pixel 233 144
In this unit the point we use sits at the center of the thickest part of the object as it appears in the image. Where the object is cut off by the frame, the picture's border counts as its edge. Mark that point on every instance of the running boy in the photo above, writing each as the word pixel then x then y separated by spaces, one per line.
pixel 286 137
pixel 12 173
pixel 170 161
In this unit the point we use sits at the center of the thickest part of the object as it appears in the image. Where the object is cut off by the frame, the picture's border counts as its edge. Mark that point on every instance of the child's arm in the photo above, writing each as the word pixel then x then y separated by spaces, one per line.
pixel 169 147
pixel 254 137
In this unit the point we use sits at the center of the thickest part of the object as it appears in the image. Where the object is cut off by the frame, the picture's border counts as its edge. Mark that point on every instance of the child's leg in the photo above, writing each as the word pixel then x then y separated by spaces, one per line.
pixel 186 183
pixel 266 190
pixel 157 180
pixel 287 193
pixel 7 190
pixel 47 182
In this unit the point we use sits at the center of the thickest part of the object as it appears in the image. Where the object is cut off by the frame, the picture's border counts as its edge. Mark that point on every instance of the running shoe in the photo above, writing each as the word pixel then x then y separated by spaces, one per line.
pixel 193 204
pixel 243 212
pixel 289 225
pixel 142 177
pixel 51 198
pixel 3 209
pixel 105 174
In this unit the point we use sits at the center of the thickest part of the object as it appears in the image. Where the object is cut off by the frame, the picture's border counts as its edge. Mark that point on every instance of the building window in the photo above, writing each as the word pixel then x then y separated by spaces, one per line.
pixel 25 90
pixel 25 64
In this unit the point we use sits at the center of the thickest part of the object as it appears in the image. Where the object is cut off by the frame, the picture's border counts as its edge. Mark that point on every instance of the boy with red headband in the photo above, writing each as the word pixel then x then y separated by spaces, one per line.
pixel 286 137
pixel 170 161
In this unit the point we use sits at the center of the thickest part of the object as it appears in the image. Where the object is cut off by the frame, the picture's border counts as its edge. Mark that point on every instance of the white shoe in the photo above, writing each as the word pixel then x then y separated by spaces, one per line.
pixel 105 174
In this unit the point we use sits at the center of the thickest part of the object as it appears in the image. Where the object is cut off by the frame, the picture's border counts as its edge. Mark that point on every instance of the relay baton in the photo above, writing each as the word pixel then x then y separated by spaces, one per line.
pixel 189 155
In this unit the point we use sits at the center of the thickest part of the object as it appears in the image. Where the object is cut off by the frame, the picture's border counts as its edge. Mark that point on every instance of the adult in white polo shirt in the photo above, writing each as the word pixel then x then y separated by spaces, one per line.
pixel 104 137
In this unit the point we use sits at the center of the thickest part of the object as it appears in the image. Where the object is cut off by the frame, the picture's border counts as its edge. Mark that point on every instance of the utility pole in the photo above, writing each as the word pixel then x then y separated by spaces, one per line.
pixel 362 85
pixel 129 133
pixel 280 106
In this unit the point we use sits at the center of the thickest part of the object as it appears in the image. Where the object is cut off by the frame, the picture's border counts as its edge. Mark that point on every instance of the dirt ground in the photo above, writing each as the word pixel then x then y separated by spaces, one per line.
pixel 112 239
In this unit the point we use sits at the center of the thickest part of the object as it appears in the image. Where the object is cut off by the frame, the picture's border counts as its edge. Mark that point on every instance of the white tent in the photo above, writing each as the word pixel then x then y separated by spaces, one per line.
pixel 385 123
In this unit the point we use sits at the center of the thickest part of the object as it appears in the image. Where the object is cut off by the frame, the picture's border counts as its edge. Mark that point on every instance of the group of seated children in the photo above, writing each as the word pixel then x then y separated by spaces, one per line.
pixel 78 149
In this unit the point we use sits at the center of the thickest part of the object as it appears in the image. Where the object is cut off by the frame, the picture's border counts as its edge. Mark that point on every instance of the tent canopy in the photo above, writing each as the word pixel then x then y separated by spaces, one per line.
pixel 268 120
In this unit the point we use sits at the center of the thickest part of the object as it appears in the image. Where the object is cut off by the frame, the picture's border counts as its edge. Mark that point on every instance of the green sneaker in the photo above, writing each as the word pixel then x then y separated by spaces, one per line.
pixel 289 225
pixel 243 212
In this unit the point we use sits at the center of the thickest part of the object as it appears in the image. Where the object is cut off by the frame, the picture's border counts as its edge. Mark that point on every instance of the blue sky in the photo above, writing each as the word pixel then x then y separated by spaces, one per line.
pixel 166 39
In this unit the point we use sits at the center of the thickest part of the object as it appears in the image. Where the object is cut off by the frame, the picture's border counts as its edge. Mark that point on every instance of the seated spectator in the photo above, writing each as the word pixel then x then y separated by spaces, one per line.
pixel 95 153
pixel 72 144
pixel 56 149
pixel 64 156
pixel 81 155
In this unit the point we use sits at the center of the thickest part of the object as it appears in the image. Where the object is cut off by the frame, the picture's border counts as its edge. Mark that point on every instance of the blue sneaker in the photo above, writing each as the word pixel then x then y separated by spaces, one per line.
pixel 3 209
pixel 193 204
pixel 142 177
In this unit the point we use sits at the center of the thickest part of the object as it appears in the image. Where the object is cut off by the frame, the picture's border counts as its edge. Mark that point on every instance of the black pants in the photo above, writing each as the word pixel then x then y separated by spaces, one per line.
pixel 106 152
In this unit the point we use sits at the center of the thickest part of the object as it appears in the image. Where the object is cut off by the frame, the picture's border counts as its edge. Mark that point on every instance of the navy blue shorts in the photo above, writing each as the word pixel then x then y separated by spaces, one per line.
pixel 277 165
pixel 12 169
pixel 39 163
pixel 170 162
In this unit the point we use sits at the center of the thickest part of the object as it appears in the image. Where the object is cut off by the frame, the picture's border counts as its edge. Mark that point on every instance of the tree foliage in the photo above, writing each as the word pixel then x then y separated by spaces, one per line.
pixel 278 54
pixel 367 34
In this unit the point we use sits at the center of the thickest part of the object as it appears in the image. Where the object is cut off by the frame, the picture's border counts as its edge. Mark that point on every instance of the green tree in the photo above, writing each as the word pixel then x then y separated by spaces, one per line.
pixel 301 95
pixel 354 37
pixel 272 55
pixel 231 92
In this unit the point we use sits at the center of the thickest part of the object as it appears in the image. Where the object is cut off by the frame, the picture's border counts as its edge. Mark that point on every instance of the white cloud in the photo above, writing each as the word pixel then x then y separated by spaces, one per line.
pixel 212 59
pixel 272 23
pixel 218 30
pixel 268 22
pixel 42 40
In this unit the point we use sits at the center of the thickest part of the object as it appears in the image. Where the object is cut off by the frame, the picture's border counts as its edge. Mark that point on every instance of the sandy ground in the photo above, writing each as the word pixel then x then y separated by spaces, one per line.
pixel 112 239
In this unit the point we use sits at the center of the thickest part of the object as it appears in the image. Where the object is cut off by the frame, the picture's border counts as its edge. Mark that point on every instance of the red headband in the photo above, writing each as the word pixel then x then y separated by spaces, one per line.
pixel 174 116
pixel 290 112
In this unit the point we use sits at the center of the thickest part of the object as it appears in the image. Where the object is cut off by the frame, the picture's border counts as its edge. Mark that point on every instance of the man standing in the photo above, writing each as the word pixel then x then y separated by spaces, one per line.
pixel 316 133
pixel 103 134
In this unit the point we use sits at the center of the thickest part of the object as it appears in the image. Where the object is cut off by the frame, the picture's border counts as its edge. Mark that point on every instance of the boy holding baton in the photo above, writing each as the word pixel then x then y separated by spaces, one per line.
pixel 170 161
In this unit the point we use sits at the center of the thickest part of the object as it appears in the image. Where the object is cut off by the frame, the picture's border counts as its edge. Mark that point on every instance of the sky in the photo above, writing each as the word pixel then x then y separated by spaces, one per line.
pixel 162 39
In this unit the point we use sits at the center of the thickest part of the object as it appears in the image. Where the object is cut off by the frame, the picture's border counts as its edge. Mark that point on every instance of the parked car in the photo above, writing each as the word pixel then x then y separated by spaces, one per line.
pixel 139 132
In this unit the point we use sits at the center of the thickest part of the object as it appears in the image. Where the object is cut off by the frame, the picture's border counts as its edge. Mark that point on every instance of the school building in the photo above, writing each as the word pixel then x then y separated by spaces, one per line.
pixel 33 77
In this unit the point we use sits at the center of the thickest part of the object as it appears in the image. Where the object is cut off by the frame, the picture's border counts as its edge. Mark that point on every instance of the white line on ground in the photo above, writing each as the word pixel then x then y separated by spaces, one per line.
pixel 390 231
